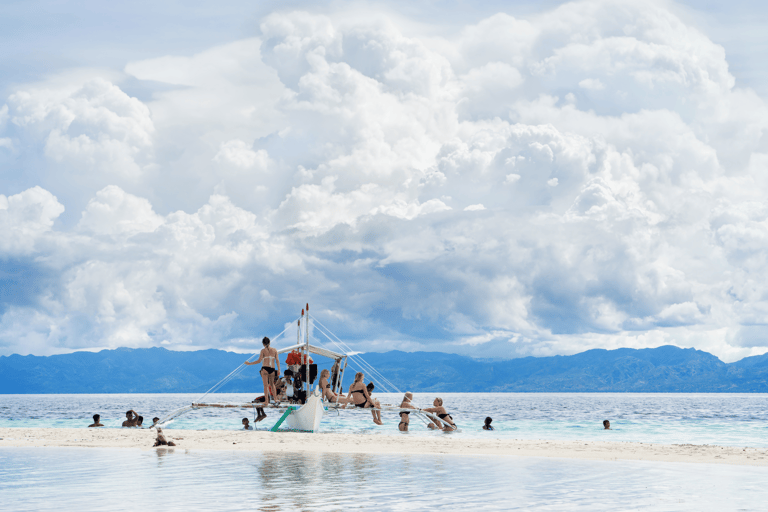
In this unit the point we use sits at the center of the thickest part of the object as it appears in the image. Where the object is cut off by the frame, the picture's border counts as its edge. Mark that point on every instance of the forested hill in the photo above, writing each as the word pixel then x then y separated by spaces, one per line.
pixel 157 370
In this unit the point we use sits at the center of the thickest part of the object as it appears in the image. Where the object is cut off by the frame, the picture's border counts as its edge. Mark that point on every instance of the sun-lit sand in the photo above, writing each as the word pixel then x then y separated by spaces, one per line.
pixel 359 443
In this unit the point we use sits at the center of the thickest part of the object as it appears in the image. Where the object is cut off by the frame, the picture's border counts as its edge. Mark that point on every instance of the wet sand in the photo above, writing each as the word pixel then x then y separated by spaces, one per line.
pixel 360 443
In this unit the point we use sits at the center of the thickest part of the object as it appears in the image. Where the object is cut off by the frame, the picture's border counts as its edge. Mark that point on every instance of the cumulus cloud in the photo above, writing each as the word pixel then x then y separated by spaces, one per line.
pixel 590 176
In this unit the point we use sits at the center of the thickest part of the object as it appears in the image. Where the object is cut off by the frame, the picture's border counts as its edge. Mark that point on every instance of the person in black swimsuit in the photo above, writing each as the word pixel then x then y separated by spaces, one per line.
pixel 268 372
pixel 447 424
pixel 376 404
pixel 328 394
pixel 487 425
pixel 405 416
pixel 359 395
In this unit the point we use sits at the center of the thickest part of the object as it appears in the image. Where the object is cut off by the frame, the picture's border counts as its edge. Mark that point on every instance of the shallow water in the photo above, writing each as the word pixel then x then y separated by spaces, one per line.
pixel 722 419
pixel 66 479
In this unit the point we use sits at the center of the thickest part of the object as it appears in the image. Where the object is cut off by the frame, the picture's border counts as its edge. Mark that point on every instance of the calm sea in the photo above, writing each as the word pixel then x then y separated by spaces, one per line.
pixel 65 479
pixel 722 419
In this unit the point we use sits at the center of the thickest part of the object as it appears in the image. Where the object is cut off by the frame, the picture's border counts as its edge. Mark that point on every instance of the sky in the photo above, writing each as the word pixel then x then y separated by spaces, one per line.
pixel 496 179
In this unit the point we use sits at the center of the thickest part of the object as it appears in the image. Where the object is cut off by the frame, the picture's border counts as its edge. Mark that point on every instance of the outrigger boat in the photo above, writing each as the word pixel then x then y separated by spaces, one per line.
pixel 307 417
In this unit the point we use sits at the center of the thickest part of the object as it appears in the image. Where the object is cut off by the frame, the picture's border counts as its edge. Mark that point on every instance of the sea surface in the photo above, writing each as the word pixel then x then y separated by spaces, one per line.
pixel 84 479
pixel 719 419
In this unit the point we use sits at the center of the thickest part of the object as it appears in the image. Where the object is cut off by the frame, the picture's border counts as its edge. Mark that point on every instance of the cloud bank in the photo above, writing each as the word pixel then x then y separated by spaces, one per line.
pixel 590 176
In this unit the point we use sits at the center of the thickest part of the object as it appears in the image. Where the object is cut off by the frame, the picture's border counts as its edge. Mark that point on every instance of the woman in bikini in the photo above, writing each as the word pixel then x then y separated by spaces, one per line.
pixel 359 395
pixel 268 357
pixel 328 393
pixel 438 409
pixel 405 416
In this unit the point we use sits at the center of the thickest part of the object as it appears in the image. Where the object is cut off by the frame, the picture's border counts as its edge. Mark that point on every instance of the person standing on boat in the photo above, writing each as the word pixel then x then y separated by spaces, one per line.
pixel 328 393
pixel 268 358
pixel 405 416
pixel 447 422
pixel 359 395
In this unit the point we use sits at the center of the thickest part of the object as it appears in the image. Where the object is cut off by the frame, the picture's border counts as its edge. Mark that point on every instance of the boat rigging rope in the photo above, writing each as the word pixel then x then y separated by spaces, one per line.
pixel 366 367
pixel 237 370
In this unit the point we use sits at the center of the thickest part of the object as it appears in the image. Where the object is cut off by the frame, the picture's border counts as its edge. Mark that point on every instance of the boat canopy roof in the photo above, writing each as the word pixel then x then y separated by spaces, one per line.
pixel 313 350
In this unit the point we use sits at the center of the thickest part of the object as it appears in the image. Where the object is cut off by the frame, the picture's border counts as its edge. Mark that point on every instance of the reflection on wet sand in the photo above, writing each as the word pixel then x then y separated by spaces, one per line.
pixel 181 479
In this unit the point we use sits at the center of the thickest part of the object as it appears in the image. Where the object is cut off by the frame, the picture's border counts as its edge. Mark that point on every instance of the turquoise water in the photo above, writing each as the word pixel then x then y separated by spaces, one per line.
pixel 722 419
pixel 65 479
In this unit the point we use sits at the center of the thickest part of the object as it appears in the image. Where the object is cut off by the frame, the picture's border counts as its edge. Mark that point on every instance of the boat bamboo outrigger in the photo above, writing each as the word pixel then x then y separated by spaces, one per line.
pixel 306 417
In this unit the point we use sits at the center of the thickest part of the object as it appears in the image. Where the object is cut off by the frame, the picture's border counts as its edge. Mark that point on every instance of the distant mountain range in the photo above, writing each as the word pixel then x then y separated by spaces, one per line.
pixel 157 370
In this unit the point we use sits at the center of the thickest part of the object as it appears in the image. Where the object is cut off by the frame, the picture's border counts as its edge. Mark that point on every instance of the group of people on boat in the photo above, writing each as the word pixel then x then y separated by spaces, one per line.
pixel 359 394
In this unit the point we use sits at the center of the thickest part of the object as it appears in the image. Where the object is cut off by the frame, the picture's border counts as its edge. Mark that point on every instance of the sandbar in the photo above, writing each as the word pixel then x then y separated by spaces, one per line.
pixel 440 443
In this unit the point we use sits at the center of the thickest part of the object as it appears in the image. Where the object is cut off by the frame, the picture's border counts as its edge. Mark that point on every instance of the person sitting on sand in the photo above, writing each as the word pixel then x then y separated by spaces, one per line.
pixel 133 419
pixel 359 394
pixel 447 422
pixel 246 426
pixel 487 425
pixel 607 425
pixel 376 412
pixel 96 422
pixel 328 393
pixel 405 416
pixel 269 370
pixel 161 441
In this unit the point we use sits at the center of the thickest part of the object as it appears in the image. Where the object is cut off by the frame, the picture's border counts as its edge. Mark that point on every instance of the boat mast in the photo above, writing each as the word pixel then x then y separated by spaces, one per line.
pixel 306 352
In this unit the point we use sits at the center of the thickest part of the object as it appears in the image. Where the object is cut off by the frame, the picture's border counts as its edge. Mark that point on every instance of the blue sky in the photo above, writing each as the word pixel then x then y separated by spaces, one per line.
pixel 501 180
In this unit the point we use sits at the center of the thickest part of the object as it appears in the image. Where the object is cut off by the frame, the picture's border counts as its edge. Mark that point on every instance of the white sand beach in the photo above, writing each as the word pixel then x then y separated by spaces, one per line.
pixel 399 444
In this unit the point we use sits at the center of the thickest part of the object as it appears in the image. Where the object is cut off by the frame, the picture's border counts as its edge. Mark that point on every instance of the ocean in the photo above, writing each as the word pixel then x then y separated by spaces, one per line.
pixel 721 419
pixel 180 479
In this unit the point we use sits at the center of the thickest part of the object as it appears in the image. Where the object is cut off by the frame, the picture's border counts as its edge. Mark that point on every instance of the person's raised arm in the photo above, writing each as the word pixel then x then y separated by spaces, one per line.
pixel 261 356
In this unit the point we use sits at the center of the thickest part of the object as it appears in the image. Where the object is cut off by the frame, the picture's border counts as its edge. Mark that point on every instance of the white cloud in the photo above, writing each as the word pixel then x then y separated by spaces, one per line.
pixel 620 170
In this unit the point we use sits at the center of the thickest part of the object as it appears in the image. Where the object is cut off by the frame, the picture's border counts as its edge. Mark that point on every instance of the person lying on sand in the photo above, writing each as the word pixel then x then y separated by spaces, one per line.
pixel 161 441
pixel 96 422
pixel 438 409
pixel 405 416
pixel 359 394
pixel 607 425
pixel 487 425
pixel 246 426
pixel 133 419
pixel 328 393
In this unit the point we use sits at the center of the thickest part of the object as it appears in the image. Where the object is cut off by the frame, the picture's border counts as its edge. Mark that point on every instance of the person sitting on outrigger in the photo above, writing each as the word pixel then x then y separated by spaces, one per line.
pixel 268 356
pixel 441 413
pixel 328 393
pixel 359 394
pixel 376 404
pixel 405 416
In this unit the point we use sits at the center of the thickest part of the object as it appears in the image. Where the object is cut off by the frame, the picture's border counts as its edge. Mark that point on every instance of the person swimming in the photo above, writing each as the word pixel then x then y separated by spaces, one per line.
pixel 246 426
pixel 269 370
pixel 96 422
pixel 405 416
pixel 132 419
pixel 487 425
pixel 607 425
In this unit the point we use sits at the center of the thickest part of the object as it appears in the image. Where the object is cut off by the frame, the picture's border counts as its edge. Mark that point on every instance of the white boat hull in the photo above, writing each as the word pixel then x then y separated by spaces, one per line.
pixel 308 416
